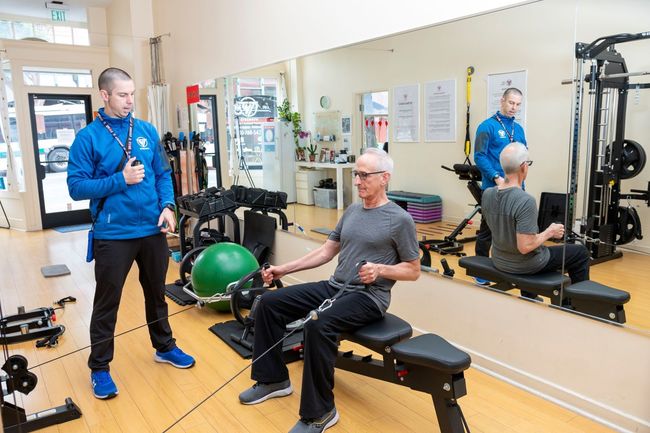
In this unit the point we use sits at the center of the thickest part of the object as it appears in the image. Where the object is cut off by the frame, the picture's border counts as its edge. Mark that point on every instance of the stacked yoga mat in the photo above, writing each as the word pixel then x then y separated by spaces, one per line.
pixel 424 208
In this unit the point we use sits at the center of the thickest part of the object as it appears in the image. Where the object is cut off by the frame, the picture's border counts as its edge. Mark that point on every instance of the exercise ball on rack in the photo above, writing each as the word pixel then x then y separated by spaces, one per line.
pixel 218 266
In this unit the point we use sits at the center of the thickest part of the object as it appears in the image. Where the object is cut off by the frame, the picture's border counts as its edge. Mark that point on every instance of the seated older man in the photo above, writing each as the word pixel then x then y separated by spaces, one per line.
pixel 511 214
pixel 376 230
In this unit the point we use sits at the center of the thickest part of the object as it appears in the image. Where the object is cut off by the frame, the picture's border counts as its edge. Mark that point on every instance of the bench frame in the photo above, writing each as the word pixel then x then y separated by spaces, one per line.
pixel 444 388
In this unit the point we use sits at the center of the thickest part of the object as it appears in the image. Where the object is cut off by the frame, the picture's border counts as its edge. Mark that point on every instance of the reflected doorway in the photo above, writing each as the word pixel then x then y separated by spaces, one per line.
pixel 375 119
pixel 55 121
pixel 208 126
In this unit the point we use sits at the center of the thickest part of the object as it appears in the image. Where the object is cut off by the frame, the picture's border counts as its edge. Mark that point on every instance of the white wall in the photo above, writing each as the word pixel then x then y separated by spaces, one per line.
pixel 597 369
pixel 515 39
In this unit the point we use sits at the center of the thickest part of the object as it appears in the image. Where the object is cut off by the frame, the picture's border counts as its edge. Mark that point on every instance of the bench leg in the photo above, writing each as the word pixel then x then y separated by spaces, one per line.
pixel 615 313
pixel 449 415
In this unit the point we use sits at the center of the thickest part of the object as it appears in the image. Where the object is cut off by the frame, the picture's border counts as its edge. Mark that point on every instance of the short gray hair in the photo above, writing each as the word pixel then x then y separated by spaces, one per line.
pixel 512 156
pixel 384 161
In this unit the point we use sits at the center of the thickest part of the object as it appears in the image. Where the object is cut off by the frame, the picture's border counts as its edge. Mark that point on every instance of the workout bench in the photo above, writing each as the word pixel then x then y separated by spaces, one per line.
pixel 588 297
pixel 426 363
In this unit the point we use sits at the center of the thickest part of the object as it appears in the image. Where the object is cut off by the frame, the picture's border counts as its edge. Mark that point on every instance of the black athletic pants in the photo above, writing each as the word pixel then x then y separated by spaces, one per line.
pixel 576 261
pixel 278 307
pixel 483 239
pixel 113 260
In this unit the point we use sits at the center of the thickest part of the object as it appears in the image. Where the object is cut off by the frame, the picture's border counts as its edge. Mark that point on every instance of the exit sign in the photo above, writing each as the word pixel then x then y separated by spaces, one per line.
pixel 58 15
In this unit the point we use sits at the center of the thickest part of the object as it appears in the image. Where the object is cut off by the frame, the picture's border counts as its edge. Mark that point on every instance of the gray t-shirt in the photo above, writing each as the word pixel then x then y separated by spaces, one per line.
pixel 508 212
pixel 385 234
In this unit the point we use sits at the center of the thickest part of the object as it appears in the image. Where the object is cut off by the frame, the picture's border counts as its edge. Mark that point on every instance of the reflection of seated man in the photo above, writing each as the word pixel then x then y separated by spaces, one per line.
pixel 378 231
pixel 511 213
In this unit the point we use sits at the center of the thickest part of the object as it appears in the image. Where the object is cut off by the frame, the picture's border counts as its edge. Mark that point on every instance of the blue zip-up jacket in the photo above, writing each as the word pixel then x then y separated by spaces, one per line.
pixel 490 141
pixel 130 211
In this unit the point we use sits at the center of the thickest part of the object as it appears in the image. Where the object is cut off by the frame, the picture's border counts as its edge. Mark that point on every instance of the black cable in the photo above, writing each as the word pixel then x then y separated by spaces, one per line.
pixel 109 338
pixel 61 302
pixel 462 417
pixel 234 377
pixel 313 315
pixel 238 287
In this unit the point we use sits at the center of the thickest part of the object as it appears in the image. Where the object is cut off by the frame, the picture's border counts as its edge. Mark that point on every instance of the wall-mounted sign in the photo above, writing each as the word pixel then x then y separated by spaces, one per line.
pixel 193 94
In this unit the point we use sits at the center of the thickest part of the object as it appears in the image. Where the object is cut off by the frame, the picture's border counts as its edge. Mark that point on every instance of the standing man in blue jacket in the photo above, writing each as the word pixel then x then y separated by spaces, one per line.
pixel 492 136
pixel 118 163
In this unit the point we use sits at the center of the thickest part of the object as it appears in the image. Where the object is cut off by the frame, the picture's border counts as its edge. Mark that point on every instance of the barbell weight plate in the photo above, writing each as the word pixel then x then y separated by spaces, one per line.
pixel 633 159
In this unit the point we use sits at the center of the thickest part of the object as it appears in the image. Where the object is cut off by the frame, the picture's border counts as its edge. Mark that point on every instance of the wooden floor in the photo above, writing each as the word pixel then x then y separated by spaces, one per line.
pixel 630 273
pixel 153 396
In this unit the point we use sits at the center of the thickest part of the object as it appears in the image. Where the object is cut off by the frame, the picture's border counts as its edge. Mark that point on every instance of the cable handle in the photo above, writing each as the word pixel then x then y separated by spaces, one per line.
pixel 327 303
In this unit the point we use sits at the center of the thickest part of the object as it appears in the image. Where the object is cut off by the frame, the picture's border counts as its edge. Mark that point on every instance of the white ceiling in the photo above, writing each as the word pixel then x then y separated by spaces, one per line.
pixel 37 9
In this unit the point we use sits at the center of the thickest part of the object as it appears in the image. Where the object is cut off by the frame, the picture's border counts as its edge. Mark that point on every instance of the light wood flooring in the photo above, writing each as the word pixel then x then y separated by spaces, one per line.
pixel 153 396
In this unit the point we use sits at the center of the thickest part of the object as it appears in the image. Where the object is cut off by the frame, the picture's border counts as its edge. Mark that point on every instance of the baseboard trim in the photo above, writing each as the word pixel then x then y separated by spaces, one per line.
pixel 609 416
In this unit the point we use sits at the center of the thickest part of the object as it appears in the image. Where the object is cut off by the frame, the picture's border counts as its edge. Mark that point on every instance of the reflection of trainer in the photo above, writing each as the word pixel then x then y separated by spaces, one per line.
pixel 511 212
pixel 378 231
pixel 137 212
pixel 492 136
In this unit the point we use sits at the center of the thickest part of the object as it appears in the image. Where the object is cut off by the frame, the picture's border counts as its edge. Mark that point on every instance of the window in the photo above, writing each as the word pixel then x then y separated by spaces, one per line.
pixel 6 30
pixel 62 35
pixel 42 30
pixel 53 77
pixel 13 133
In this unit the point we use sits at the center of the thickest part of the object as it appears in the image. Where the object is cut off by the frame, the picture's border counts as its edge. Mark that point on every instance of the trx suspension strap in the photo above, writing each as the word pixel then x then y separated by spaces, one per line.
pixel 468 143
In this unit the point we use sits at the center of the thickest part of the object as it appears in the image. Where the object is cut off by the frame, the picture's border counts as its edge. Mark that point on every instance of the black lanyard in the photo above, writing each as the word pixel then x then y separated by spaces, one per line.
pixel 129 137
pixel 511 136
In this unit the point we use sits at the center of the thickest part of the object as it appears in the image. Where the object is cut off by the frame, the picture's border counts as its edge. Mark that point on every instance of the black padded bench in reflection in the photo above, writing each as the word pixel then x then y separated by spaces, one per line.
pixel 426 363
pixel 587 297
pixel 598 300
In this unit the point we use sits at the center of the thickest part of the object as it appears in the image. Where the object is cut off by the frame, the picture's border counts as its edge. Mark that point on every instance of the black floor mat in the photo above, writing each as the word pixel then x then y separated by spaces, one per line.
pixel 176 294
pixel 291 347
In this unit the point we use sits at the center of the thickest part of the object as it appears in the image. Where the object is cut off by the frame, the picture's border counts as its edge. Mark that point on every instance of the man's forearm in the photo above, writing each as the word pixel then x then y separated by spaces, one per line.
pixel 404 271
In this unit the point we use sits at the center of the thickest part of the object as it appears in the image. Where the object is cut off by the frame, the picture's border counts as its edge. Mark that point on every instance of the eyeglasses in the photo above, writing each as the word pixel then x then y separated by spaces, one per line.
pixel 528 163
pixel 363 175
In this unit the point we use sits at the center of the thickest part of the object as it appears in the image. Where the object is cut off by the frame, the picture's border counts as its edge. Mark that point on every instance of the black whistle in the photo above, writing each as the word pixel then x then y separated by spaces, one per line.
pixel 136 162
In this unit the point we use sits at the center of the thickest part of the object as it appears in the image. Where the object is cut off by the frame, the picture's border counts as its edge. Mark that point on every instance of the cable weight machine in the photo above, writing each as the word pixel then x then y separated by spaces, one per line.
pixel 605 223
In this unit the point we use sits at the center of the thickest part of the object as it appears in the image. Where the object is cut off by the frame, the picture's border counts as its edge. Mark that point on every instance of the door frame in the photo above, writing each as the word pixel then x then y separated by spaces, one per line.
pixel 55 219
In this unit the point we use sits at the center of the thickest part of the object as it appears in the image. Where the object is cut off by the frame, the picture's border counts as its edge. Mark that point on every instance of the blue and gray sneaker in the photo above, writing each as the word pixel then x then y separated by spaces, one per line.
pixel 175 357
pixel 103 385
pixel 482 282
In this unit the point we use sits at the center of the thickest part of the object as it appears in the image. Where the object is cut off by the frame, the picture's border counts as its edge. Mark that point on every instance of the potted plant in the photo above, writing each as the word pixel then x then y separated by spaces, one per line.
pixel 312 149
pixel 286 115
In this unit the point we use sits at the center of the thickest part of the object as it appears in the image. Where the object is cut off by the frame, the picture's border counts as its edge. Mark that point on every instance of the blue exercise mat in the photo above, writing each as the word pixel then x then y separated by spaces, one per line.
pixel 75 228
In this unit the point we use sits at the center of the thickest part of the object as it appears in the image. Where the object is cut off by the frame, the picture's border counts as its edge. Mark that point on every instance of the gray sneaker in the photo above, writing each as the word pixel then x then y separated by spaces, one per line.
pixel 263 391
pixel 316 425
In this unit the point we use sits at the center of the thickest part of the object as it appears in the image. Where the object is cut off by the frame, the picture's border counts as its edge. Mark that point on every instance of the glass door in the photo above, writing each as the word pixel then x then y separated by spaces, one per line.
pixel 208 126
pixel 55 120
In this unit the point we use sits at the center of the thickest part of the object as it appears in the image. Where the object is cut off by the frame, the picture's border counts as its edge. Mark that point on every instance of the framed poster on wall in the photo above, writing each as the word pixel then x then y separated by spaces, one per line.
pixel 406 112
pixel 440 110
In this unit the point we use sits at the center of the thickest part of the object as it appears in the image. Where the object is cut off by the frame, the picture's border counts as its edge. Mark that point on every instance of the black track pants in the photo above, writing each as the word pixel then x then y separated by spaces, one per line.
pixel 279 307
pixel 113 260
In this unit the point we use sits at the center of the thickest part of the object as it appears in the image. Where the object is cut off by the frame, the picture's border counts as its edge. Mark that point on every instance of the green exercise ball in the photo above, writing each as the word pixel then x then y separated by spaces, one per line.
pixel 218 266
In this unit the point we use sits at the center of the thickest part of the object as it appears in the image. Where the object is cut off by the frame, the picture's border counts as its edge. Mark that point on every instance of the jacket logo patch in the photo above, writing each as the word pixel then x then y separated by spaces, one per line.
pixel 502 133
pixel 142 142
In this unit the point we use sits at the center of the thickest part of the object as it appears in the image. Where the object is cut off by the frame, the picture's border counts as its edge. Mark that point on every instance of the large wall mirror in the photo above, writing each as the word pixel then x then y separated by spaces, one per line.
pixel 346 99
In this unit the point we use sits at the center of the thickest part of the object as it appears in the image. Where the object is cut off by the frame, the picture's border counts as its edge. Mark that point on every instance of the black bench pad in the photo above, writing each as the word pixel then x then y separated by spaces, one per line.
pixel 432 351
pixel 593 291
pixel 544 283
pixel 384 332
